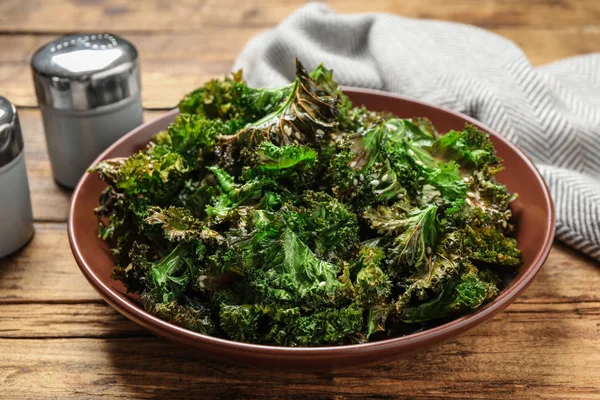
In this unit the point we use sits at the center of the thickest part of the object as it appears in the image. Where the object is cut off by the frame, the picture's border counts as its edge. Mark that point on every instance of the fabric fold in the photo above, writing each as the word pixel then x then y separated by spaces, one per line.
pixel 551 112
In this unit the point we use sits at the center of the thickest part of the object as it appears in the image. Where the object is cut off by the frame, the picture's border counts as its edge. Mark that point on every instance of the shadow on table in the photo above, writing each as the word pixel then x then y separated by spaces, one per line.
pixel 535 348
pixel 472 366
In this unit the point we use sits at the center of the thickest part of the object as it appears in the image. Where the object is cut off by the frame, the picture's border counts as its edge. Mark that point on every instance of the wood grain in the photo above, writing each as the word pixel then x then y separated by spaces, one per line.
pixel 54 331
pixel 175 63
pixel 44 271
pixel 58 339
pixel 171 64
pixel 65 320
pixel 22 16
pixel 534 360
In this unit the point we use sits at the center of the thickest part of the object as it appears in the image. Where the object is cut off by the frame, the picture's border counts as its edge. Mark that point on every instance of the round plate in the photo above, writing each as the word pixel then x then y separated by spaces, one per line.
pixel 533 211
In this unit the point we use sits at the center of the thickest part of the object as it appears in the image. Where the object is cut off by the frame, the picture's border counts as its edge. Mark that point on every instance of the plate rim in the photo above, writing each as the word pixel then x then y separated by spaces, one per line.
pixel 421 339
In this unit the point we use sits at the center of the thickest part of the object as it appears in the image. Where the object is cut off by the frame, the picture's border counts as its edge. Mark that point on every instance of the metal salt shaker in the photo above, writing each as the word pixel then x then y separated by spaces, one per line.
pixel 88 89
pixel 16 218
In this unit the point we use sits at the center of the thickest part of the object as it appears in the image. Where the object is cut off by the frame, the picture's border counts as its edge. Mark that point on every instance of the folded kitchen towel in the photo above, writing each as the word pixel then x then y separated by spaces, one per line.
pixel 552 112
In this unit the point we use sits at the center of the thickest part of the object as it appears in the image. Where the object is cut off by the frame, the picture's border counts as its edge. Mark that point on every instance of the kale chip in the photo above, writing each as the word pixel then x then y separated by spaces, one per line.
pixel 288 216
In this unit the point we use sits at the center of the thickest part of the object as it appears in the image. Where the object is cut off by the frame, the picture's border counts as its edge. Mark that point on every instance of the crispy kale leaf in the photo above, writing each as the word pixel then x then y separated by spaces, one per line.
pixel 458 295
pixel 193 137
pixel 156 173
pixel 328 226
pixel 272 157
pixel 283 268
pixel 471 147
pixel 289 216
pixel 305 115
pixel 231 101
pixel 414 233
pixel 489 245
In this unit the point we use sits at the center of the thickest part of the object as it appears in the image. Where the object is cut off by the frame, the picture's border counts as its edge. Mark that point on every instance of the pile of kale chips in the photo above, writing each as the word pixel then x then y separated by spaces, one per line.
pixel 287 216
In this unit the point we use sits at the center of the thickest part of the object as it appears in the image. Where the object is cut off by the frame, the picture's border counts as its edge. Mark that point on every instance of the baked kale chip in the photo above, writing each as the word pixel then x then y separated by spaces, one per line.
pixel 288 216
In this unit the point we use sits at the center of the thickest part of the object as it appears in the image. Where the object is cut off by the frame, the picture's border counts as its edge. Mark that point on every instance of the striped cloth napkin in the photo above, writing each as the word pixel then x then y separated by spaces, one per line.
pixel 552 112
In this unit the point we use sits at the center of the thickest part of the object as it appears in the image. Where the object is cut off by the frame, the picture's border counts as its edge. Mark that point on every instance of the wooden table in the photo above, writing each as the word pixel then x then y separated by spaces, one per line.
pixel 58 339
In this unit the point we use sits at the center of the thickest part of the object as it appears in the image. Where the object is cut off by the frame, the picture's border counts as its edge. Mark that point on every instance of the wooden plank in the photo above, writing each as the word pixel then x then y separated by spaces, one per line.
pixel 46 271
pixel 543 46
pixel 543 346
pixel 60 320
pixel 533 360
pixel 159 15
pixel 59 340
pixel 99 320
pixel 173 64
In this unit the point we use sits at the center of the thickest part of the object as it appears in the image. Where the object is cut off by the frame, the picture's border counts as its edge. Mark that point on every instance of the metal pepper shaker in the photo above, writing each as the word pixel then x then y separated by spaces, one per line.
pixel 16 218
pixel 88 89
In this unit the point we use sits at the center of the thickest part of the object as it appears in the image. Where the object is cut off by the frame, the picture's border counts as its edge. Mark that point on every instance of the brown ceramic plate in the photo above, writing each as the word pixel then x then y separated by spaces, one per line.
pixel 533 211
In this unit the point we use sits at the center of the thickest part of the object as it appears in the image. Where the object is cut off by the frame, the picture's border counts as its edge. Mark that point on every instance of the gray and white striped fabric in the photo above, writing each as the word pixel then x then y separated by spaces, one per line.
pixel 552 112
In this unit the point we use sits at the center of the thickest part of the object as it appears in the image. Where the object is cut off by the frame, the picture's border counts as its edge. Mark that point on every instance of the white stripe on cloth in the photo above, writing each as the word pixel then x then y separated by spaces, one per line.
pixel 552 112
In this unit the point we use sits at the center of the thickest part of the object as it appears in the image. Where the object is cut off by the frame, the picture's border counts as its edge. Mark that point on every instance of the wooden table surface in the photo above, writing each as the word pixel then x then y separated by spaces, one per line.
pixel 58 339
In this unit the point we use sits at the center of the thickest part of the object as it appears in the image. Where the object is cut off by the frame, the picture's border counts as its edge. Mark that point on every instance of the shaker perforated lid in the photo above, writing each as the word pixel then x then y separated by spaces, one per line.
pixel 85 71
pixel 11 139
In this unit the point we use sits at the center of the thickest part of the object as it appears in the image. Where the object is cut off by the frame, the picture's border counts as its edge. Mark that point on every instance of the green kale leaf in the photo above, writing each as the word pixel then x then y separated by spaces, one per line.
pixel 291 216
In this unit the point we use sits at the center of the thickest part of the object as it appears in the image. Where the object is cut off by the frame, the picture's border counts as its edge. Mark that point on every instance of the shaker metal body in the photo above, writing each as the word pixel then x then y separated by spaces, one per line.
pixel 88 89
pixel 16 218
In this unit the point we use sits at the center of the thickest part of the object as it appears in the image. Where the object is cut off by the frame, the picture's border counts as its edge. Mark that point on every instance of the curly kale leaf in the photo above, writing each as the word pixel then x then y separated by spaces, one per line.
pixel 195 195
pixel 415 233
pixel 231 101
pixel 171 275
pixel 292 327
pixel 427 281
pixel 292 273
pixel 192 136
pixel 446 182
pixel 390 183
pixel 376 165
pixel 391 139
pixel 325 224
pixel 242 322
pixel 194 316
pixel 179 225
pixel 489 245
pixel 372 286
pixel 134 274
pixel 113 215
pixel 232 195
pixel 447 179
pixel 272 157
pixel 487 204
pixel 471 147
pixel 490 193
pixel 215 98
pixel 459 295
pixel 156 173
pixel 308 112
pixel 282 268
